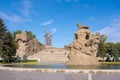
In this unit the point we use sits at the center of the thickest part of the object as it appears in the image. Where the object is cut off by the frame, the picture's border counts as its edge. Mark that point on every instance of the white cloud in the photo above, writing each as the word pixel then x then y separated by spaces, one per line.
pixel 27 3
pixel 46 23
pixel 25 7
pixel 112 31
pixel 12 18
pixel 54 30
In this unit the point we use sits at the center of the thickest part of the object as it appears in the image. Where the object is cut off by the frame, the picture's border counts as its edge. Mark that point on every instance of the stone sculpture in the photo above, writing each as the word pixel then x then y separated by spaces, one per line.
pixel 26 45
pixel 84 47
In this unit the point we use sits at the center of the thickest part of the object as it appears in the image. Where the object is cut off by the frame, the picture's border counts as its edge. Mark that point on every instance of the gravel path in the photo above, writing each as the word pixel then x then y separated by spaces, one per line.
pixel 22 75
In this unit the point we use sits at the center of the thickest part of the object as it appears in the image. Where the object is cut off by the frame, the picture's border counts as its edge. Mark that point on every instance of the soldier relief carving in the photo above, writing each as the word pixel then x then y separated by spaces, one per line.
pixel 84 47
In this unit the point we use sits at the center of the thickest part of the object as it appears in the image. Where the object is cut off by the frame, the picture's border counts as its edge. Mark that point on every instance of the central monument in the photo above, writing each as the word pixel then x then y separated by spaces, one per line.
pixel 84 47
pixel 48 42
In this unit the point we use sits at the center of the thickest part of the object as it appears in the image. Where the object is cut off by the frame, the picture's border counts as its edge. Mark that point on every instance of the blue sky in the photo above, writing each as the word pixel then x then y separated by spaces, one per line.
pixel 61 16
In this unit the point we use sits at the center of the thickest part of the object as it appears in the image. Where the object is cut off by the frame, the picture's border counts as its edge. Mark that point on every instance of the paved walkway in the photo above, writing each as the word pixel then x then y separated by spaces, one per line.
pixel 18 75
pixel 26 75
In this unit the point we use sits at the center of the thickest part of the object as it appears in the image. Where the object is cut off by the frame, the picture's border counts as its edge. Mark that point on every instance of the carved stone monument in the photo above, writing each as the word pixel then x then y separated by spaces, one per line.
pixel 84 47
pixel 48 40
pixel 26 45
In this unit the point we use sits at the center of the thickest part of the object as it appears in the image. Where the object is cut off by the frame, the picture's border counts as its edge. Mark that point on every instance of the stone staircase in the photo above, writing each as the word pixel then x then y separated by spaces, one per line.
pixel 50 55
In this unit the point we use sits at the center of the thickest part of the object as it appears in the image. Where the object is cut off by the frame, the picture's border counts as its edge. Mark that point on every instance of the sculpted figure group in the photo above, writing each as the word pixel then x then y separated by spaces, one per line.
pixel 84 47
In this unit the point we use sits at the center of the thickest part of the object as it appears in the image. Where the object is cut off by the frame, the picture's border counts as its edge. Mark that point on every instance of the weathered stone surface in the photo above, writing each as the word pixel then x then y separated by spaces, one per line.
pixel 27 45
pixel 84 47
pixel 50 55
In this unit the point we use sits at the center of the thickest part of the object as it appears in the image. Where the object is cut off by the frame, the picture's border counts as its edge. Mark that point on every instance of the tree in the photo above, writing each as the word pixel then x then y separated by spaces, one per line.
pixel 31 35
pixel 16 32
pixel 101 50
pixel 7 45
pixel 3 30
pixel 112 53
pixel 117 45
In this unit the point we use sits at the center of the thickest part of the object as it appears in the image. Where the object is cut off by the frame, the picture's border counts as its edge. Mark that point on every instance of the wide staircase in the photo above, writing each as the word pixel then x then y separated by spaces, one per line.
pixel 51 55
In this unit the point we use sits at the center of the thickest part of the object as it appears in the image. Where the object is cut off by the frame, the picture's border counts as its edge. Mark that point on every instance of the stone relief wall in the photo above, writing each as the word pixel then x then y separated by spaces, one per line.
pixel 27 45
pixel 84 47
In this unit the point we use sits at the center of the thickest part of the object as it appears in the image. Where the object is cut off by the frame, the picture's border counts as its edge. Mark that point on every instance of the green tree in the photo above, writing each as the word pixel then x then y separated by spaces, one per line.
pixel 31 35
pixel 3 30
pixel 101 50
pixel 7 46
pixel 16 32
pixel 117 45
pixel 113 52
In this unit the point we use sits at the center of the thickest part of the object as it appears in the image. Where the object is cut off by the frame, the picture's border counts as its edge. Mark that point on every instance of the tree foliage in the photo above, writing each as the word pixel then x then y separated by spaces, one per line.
pixel 112 53
pixel 16 32
pixel 3 30
pixel 108 49
pixel 101 50
pixel 7 43
pixel 31 35
pixel 117 45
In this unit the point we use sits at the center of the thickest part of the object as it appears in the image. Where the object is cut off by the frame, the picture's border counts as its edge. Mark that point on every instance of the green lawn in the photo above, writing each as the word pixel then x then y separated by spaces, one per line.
pixel 109 62
pixel 22 62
